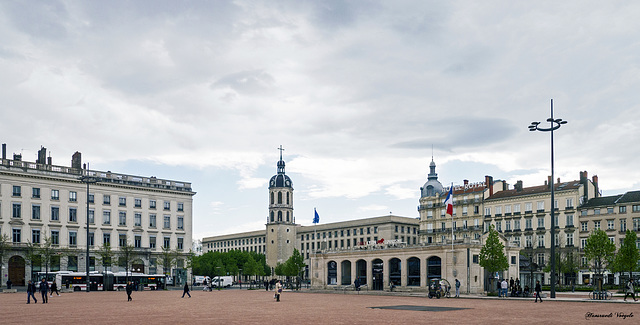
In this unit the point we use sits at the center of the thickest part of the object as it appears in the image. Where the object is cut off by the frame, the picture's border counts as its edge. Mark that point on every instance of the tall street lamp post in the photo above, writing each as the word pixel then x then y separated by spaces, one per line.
pixel 554 125
pixel 87 179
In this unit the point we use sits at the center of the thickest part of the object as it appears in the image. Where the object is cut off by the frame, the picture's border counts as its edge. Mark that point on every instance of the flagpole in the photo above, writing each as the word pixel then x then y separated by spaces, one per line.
pixel 314 237
pixel 452 218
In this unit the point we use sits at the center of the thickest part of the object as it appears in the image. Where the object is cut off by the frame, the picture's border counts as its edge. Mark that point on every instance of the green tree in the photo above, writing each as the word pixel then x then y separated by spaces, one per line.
pixel 4 247
pixel 252 268
pixel 626 260
pixel 105 255
pixel 167 260
pixel 599 251
pixel 126 254
pixel 492 256
pixel 47 253
pixel 294 266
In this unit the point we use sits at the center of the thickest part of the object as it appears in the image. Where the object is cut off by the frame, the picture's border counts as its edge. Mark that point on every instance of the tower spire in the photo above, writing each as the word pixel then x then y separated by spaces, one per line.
pixel 281 162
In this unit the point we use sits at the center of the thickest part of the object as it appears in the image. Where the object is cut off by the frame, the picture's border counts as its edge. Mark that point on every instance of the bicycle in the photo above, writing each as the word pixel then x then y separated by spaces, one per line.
pixel 600 295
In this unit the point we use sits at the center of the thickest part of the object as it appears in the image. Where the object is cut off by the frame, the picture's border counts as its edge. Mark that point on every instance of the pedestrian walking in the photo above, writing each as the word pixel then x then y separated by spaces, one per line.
pixel 129 289
pixel 278 291
pixel 630 291
pixel 44 291
pixel 186 290
pixel 266 285
pixel 54 288
pixel 538 289
pixel 457 288
pixel 31 289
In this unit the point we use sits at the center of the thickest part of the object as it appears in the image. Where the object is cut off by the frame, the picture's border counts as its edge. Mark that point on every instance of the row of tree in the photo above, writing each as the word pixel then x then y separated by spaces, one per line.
pixel 599 251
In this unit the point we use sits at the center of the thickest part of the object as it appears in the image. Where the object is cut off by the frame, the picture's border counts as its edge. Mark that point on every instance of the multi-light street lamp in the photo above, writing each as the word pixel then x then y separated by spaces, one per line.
pixel 554 125
pixel 88 180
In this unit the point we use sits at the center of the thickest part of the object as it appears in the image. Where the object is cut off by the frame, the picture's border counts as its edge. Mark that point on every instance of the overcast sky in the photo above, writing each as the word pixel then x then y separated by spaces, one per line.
pixel 357 93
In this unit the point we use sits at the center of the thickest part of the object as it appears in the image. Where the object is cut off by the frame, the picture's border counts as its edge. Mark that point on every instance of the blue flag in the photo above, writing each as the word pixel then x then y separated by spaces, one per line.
pixel 316 218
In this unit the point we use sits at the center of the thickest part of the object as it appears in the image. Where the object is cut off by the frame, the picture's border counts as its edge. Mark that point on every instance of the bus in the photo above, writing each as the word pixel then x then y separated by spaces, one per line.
pixel 50 277
pixel 147 281
pixel 78 281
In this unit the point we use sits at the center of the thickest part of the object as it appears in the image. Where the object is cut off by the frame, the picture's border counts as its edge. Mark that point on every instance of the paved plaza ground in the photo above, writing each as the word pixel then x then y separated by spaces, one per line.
pixel 240 306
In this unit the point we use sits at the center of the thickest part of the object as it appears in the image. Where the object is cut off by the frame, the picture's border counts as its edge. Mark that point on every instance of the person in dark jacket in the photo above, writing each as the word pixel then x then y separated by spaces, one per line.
pixel 44 290
pixel 186 290
pixel 31 289
pixel 54 288
pixel 538 289
pixel 129 289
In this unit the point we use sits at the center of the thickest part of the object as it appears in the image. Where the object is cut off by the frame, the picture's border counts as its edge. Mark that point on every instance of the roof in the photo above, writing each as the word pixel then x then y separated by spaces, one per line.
pixel 633 196
pixel 601 201
pixel 540 189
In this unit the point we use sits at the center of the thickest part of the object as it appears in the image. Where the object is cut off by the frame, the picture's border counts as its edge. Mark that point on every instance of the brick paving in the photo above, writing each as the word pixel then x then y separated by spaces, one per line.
pixel 237 306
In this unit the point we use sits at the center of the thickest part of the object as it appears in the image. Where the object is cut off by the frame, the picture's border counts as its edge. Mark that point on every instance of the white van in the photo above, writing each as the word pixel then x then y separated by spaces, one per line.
pixel 200 279
pixel 222 281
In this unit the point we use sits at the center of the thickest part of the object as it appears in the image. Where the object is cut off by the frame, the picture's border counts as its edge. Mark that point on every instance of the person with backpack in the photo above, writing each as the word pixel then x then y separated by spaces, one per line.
pixel 630 291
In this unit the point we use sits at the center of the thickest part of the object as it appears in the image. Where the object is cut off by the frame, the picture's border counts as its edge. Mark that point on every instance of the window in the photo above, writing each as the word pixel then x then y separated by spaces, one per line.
pixel 636 224
pixel 73 196
pixel 91 197
pixel 540 240
pixel 106 239
pixel 55 237
pixel 122 240
pixel 92 214
pixel 17 210
pixel 583 242
pixel 181 205
pixel 17 232
pixel 35 236
pixel 137 241
pixel 55 195
pixel 635 208
pixel 167 205
pixel 507 225
pixel 498 211
pixel 35 212
pixel 596 211
pixel 106 217
pixel 516 224
pixel 91 240
pixel 166 242
pixel 513 260
pixel 569 203
pixel 540 206
pixel 623 225
pixel 137 219
pixel 622 209
pixel 55 213
pixel 612 240
pixel 122 201
pixel 17 190
pixel 569 220
pixel 584 226
pixel 516 241
pixel 611 225
pixel 167 221
pixel 528 223
pixel 122 218
pixel 181 240
pixel 152 220
pixel 596 225
pixel 540 259
pixel 507 209
pixel 487 211
pixel 528 207
pixel 540 222
pixel 583 212
pixel 499 225
pixel 610 210
pixel 35 193
pixel 73 238
pixel 570 239
pixel 137 203
pixel 73 215
pixel 106 199
pixel 180 222
pixel 152 242
pixel 152 204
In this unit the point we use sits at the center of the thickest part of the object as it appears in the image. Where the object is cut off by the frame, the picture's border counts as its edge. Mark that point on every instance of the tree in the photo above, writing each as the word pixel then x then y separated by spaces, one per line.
pixel 47 253
pixel 599 251
pixel 492 256
pixel 126 255
pixel 294 266
pixel 105 254
pixel 626 260
pixel 167 260
pixel 252 268
pixel 4 246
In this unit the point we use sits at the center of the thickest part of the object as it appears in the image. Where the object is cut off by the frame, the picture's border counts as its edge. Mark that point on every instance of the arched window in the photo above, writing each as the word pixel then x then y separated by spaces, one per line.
pixel 279 215
pixel 279 197
pixel 271 216
pixel 287 216
pixel 287 197
pixel 271 197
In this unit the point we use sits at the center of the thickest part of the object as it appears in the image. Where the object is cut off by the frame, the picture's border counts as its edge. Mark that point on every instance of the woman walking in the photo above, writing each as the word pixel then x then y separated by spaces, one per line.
pixel 186 290
pixel 278 290
pixel 538 289
pixel 129 289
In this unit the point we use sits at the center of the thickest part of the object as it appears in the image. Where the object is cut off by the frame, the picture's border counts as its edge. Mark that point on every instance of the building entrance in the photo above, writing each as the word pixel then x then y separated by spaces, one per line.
pixel 16 270
pixel 377 273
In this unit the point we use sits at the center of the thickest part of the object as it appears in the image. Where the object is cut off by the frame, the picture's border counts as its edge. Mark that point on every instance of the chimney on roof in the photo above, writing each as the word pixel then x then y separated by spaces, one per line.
pixel 518 186
pixel 42 155
pixel 488 183
pixel 549 181
pixel 17 157
pixel 466 182
pixel 76 160
pixel 49 160
pixel 595 184
pixel 4 151
pixel 558 180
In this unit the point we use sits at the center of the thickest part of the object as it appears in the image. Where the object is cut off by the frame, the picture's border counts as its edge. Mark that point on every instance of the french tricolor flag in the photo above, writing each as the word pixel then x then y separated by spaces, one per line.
pixel 448 202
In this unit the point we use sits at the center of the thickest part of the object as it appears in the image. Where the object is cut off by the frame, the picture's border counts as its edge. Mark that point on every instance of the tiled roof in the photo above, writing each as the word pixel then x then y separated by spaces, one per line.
pixel 601 201
pixel 534 190
pixel 633 196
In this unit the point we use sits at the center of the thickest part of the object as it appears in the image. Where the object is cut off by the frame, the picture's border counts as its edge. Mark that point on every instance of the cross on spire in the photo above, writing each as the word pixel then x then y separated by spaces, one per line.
pixel 281 150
